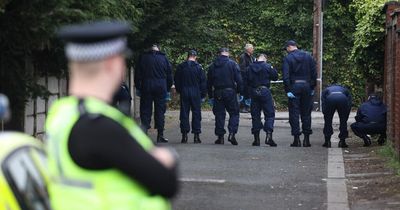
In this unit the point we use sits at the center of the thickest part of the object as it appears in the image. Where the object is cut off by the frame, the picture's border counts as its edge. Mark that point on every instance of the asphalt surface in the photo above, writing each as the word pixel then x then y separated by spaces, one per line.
pixel 245 177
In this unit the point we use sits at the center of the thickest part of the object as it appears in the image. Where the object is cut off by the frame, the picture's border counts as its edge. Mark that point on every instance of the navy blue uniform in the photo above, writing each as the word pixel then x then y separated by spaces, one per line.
pixel 224 81
pixel 370 118
pixel 153 77
pixel 336 98
pixel 122 99
pixel 300 78
pixel 258 79
pixel 190 83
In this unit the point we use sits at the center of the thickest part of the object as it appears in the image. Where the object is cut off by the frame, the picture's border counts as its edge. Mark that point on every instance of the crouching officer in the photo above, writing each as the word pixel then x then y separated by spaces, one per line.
pixel 336 98
pixel 153 81
pixel 190 83
pixel 223 82
pixel 371 119
pixel 299 78
pixel 258 78
pixel 98 158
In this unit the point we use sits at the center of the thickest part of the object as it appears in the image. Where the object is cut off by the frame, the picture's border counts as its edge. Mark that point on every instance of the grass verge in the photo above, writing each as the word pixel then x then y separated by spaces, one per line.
pixel 389 152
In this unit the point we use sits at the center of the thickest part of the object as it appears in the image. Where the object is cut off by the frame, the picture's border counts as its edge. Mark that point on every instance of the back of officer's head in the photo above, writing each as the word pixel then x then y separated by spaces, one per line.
pixel 96 51
pixel 192 55
pixel 375 96
pixel 290 46
pixel 262 57
pixel 224 51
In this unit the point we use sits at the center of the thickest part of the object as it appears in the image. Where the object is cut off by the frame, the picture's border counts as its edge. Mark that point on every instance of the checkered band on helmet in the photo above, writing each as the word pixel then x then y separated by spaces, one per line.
pixel 83 52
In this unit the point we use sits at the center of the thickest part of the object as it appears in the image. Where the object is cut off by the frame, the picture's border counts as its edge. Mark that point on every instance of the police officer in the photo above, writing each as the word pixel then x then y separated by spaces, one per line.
pixel 123 99
pixel 371 119
pixel 190 83
pixel 258 78
pixel 299 78
pixel 245 60
pixel 224 82
pixel 336 98
pixel 96 153
pixel 153 81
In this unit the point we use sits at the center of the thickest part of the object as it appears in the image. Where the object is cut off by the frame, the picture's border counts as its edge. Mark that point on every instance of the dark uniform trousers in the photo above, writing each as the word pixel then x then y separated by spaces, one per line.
pixel 190 100
pixel 361 129
pixel 261 100
pixel 226 99
pixel 157 95
pixel 300 106
pixel 340 103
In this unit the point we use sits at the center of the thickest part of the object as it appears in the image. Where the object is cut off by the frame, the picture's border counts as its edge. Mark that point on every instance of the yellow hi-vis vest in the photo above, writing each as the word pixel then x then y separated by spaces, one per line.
pixel 72 187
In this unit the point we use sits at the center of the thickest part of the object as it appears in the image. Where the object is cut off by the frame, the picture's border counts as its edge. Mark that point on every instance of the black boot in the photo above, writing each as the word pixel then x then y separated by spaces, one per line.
pixel 296 142
pixel 256 141
pixel 232 139
pixel 197 138
pixel 220 140
pixel 342 143
pixel 306 141
pixel 160 138
pixel 269 141
pixel 184 138
pixel 327 143
pixel 381 140
pixel 367 141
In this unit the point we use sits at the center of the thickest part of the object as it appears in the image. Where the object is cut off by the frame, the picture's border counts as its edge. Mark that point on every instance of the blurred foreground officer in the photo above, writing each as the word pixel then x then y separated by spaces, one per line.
pixel 223 82
pixel 371 119
pixel 299 78
pixel 190 83
pixel 244 62
pixel 259 76
pixel 336 98
pixel 153 81
pixel 98 157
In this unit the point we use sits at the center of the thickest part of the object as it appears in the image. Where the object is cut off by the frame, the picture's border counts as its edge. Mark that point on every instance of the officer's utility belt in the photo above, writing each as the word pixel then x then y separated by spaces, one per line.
pixel 299 81
pixel 223 88
pixel 336 93
pixel 218 92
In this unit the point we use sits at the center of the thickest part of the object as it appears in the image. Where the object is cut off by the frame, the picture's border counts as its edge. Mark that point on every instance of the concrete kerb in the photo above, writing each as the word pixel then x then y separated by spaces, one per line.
pixel 337 197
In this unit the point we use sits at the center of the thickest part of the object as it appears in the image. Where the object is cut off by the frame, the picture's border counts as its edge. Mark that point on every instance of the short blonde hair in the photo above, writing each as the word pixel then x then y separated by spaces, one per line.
pixel 248 46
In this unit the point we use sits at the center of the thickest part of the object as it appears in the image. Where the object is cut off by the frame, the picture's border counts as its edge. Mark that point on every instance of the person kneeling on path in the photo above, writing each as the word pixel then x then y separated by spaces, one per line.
pixel 336 98
pixel 371 119
pixel 258 78
pixel 190 83
pixel 223 82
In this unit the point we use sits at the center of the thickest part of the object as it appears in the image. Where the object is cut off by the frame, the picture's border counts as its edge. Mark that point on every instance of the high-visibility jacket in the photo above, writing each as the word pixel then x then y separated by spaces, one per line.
pixel 74 187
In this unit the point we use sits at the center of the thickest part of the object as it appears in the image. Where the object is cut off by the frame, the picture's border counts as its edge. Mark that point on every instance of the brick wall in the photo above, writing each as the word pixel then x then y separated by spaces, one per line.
pixel 392 71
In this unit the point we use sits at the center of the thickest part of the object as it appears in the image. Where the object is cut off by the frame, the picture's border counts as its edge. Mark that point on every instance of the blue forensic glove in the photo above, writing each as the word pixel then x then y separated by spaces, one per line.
pixel 240 99
pixel 312 93
pixel 247 102
pixel 203 100
pixel 290 95
pixel 4 107
pixel 138 93
pixel 168 96
pixel 211 101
